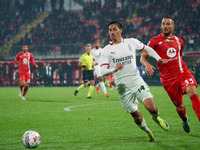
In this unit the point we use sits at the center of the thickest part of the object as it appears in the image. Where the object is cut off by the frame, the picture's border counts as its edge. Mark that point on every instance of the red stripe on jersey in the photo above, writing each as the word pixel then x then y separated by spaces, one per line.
pixel 145 52
pixel 105 64
pixel 142 47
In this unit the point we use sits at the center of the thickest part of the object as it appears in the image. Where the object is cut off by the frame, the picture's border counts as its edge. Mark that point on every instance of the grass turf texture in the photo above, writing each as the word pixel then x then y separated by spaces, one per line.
pixel 98 123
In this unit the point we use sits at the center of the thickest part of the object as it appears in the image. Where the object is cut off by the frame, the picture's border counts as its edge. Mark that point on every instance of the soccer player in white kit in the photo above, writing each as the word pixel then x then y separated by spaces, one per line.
pixel 96 53
pixel 119 58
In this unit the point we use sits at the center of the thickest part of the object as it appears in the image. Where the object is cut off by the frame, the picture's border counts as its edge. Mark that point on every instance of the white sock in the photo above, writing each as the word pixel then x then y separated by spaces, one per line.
pixel 97 85
pixel 144 127
pixel 103 87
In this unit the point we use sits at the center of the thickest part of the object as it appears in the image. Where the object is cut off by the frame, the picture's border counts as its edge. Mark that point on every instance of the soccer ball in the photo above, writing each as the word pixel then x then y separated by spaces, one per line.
pixel 31 139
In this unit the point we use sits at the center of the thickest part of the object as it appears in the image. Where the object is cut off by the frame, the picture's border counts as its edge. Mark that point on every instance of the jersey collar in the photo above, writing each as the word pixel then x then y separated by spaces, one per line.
pixel 111 43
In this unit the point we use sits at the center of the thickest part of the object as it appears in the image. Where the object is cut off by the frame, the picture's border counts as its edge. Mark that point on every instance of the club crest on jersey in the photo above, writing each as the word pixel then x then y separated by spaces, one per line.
pixel 25 61
pixel 130 48
pixel 171 52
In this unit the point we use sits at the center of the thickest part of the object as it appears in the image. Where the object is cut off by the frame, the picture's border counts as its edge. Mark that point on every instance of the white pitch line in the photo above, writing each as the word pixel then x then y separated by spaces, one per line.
pixel 69 108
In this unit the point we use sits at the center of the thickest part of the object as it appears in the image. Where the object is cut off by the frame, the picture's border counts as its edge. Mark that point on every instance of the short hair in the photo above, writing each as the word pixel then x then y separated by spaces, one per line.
pixel 119 25
pixel 88 45
pixel 24 44
pixel 169 18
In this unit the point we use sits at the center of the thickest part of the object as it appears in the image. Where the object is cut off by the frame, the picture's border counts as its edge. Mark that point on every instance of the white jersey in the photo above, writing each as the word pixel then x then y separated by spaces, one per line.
pixel 96 53
pixel 122 53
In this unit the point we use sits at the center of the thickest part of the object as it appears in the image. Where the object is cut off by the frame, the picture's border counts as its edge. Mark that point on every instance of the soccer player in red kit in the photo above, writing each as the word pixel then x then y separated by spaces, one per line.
pixel 175 76
pixel 24 59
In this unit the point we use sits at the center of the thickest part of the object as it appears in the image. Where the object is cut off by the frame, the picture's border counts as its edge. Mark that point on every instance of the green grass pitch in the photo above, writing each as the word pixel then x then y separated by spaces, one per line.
pixel 91 124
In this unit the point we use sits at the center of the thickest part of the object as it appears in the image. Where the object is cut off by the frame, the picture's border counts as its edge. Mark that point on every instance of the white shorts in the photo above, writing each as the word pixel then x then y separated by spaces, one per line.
pixel 97 70
pixel 131 91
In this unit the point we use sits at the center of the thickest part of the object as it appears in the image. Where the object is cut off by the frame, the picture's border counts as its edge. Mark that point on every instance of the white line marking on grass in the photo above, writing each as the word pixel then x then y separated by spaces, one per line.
pixel 69 108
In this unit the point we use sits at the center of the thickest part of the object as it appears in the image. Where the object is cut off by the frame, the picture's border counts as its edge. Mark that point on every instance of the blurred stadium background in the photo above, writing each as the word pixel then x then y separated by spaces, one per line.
pixel 57 30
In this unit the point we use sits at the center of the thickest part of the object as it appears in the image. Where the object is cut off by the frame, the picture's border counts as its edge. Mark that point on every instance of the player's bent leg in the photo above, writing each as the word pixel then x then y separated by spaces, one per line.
pixel 21 85
pixel 182 113
pixel 103 87
pixel 91 88
pixel 140 121
pixel 152 108
pixel 191 91
pixel 79 88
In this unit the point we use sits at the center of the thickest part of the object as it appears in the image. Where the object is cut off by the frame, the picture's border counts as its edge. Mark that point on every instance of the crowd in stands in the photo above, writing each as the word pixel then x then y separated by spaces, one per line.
pixel 70 30
pixel 14 14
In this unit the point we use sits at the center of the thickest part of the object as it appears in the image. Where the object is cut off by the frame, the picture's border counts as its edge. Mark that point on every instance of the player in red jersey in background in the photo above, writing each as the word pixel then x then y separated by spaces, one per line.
pixel 175 76
pixel 24 59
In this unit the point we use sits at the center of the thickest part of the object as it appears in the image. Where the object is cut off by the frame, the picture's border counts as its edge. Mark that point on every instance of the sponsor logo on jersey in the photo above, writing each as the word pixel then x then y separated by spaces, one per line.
pixel 160 43
pixel 167 40
pixel 171 52
pixel 25 61
pixel 123 60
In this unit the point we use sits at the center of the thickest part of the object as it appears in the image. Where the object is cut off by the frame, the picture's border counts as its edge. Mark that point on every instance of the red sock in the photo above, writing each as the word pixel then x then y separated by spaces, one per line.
pixel 196 104
pixel 182 114
pixel 25 90
pixel 110 84
pixel 21 87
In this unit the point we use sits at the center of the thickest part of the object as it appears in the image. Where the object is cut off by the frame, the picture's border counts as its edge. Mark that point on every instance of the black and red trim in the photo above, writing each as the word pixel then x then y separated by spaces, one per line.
pixel 142 47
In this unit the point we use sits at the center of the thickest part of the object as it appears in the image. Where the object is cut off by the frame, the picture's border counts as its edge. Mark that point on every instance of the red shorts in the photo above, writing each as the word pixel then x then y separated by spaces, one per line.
pixel 25 76
pixel 176 88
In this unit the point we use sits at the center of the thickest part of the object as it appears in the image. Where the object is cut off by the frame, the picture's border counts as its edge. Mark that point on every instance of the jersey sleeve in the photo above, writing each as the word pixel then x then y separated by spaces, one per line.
pixel 32 60
pixel 104 59
pixel 139 45
pixel 151 44
pixel 80 59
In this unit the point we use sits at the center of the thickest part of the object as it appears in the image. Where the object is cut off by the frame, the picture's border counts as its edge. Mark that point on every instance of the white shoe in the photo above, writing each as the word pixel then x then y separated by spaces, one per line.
pixel 20 93
pixel 23 98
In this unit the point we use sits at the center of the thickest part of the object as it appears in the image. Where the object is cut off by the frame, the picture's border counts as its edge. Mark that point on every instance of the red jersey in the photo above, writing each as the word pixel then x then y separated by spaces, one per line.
pixel 169 48
pixel 24 59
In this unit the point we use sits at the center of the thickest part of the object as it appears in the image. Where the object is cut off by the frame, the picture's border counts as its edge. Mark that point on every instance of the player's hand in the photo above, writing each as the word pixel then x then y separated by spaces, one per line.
pixel 119 67
pixel 36 66
pixel 87 66
pixel 163 61
pixel 96 63
pixel 16 66
pixel 150 70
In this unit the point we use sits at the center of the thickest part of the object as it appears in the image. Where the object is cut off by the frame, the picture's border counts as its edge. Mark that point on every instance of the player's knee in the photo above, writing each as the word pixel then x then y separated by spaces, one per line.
pixel 138 120
pixel 181 107
pixel 92 82
pixel 100 79
pixel 23 83
pixel 191 90
pixel 85 84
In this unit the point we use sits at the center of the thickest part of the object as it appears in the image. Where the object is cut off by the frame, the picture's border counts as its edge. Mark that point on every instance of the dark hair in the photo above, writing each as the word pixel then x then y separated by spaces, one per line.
pixel 168 18
pixel 117 23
